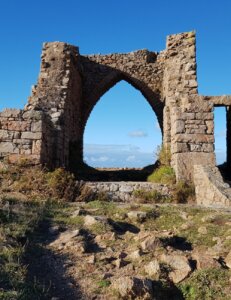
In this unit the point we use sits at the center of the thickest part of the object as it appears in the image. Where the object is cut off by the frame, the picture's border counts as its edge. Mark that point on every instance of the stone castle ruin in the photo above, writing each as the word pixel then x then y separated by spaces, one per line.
pixel 49 130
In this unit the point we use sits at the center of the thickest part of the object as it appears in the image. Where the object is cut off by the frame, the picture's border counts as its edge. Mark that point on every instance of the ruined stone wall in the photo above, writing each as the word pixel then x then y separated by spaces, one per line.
pixel 21 134
pixel 58 94
pixel 211 190
pixel 188 125
pixel 70 85
pixel 124 191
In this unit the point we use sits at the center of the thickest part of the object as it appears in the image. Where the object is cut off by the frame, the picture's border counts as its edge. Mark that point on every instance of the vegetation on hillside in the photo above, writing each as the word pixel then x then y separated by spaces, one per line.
pixel 164 173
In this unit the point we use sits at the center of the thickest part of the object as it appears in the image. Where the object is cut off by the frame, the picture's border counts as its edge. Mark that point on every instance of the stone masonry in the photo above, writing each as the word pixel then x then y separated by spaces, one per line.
pixel 210 189
pixel 124 191
pixel 49 130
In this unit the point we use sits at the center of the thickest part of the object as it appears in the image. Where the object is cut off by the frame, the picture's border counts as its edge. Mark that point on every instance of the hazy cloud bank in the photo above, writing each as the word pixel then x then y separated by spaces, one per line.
pixel 117 156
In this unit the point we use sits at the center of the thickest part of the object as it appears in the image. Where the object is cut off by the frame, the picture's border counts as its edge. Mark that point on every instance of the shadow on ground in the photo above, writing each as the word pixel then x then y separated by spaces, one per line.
pixel 88 173
pixel 46 271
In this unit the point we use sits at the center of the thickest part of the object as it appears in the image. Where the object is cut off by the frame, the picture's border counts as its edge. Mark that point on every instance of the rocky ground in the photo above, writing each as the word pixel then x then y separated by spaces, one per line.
pixel 101 250
pixel 57 249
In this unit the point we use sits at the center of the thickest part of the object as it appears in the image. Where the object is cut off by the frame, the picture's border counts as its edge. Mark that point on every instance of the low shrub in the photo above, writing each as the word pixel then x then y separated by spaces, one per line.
pixel 164 174
pixel 30 181
pixel 163 154
pixel 143 196
pixel 85 194
pixel 37 183
pixel 184 192
pixel 62 184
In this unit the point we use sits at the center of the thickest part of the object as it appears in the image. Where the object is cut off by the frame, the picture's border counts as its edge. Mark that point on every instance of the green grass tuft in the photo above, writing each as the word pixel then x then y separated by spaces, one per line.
pixel 207 284
pixel 163 174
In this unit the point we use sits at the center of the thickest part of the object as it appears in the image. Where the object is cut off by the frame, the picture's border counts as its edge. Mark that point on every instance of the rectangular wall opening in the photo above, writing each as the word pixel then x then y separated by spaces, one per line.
pixel 220 133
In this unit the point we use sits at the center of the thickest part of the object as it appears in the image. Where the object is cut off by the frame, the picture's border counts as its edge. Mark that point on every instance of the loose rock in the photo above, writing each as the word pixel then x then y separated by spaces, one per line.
pixel 135 255
pixel 91 220
pixel 204 259
pixel 138 216
pixel 150 243
pixel 202 230
pixel 132 288
pixel 153 268
pixel 179 264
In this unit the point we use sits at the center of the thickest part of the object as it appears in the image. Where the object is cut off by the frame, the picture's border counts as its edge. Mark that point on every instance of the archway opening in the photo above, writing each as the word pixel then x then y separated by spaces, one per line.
pixel 122 130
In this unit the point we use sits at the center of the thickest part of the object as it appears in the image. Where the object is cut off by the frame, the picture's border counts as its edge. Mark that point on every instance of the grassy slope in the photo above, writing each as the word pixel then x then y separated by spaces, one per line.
pixel 18 219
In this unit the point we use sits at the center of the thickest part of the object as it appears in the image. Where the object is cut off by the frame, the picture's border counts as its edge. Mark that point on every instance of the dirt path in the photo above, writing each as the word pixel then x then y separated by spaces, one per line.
pixel 47 269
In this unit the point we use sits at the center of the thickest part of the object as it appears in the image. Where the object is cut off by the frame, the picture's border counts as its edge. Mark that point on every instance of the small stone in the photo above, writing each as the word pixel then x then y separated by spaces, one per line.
pixel 135 255
pixel 108 236
pixel 142 235
pixel 153 268
pixel 138 216
pixel 126 189
pixel 185 226
pixel 202 230
pixel 78 212
pixel 91 259
pixel 91 220
pixel 150 243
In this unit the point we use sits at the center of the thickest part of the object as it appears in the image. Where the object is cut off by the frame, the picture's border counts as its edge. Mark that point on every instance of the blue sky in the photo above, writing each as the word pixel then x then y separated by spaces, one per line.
pixel 114 137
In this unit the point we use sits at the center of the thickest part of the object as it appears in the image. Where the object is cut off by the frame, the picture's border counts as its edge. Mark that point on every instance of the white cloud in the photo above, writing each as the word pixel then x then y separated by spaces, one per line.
pixel 99 148
pixel 100 159
pixel 131 158
pixel 138 133
pixel 117 156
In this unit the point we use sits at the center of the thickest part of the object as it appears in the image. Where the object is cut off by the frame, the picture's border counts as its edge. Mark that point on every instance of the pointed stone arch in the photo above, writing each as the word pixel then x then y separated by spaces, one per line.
pixel 110 81
pixel 49 130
